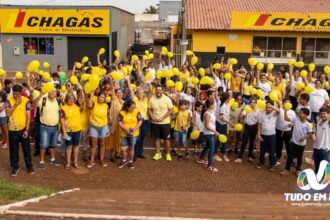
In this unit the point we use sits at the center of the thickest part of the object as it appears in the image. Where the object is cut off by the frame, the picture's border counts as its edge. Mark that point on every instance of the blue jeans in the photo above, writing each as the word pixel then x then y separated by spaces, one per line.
pixel 48 136
pixel 222 129
pixel 318 156
pixel 181 138
pixel 209 145
pixel 268 145
pixel 140 140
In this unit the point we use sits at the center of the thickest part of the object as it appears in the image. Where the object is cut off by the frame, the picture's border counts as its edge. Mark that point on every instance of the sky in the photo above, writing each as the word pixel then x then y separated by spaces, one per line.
pixel 134 6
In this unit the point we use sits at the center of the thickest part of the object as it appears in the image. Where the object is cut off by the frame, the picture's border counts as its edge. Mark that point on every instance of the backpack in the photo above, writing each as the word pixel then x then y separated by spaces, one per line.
pixel 44 100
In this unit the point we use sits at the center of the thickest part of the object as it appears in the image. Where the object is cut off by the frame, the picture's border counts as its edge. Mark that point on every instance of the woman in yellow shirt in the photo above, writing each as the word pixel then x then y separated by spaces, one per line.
pixel 279 87
pixel 98 129
pixel 181 126
pixel 247 86
pixel 129 121
pixel 71 127
pixel 141 102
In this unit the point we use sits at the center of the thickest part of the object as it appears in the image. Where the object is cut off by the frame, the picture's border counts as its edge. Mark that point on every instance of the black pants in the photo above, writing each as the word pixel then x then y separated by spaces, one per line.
pixel 282 137
pixel 37 137
pixel 294 102
pixel 296 151
pixel 318 156
pixel 249 135
pixel 16 138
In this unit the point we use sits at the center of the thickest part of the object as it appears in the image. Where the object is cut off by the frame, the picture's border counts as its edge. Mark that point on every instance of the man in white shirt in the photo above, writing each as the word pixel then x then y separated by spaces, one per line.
pixel 267 134
pixel 321 146
pixel 317 98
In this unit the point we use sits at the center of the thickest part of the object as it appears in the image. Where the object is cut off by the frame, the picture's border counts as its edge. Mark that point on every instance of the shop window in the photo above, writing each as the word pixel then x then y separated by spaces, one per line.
pixel 315 50
pixel 274 47
pixel 33 45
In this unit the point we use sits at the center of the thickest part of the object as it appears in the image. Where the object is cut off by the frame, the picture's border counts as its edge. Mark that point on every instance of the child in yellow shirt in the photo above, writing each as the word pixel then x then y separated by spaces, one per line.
pixel 182 124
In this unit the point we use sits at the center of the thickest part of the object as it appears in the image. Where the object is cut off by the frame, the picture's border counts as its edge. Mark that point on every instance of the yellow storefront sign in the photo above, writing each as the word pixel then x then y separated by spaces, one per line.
pixel 280 21
pixel 55 21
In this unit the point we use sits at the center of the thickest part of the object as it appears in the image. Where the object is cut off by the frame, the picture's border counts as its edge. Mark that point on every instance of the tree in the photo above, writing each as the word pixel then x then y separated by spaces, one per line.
pixel 151 10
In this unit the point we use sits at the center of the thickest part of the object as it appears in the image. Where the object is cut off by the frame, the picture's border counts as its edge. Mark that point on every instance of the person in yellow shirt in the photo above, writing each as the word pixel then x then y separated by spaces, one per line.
pixel 160 108
pixel 279 87
pixel 71 127
pixel 129 120
pixel 236 83
pixel 181 126
pixel 98 130
pixel 18 110
pixel 248 84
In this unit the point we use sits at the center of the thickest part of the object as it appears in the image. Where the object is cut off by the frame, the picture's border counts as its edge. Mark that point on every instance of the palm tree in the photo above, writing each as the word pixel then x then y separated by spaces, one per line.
pixel 151 10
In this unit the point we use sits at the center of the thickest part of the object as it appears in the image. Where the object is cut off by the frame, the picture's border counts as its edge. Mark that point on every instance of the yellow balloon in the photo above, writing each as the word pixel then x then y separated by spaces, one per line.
pixel 179 86
pixel 159 74
pixel 194 80
pixel 189 53
pixel 33 66
pixel 300 86
pixel 151 56
pixel 270 66
pixel 291 62
pixel 78 65
pixel 148 76
pixel 41 72
pixel 170 54
pixel 84 59
pixel 299 64
pixel 247 109
pixel 108 99
pixel 101 51
pixel 201 71
pixel 47 87
pixel 260 94
pixel 311 67
pixel 176 71
pixel 46 76
pixel 63 88
pixel 261 104
pixel 253 91
pixel 95 70
pixel 46 65
pixel 117 76
pixel 222 138
pixel 133 87
pixel 303 73
pixel 194 60
pixel 227 76
pixel 102 72
pixel 88 88
pixel 94 81
pixel 74 80
pixel 233 61
pixel 216 66
pixel 308 89
pixel 238 127
pixel 287 106
pixel 116 53
pixel 327 69
pixel 146 52
pixel 206 81
pixel 175 109
pixel 251 61
pixel 273 96
pixel 135 58
pixel 164 51
pixel 2 72
pixel 85 76
pixel 144 57
pixel 260 66
pixel 234 106
pixel 194 135
pixel 19 75
pixel 231 101
pixel 169 83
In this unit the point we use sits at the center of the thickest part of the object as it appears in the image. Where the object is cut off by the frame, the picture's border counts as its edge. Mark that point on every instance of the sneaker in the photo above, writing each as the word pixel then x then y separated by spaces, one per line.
pixel 217 158
pixel 259 166
pixel 251 159
pixel 157 156
pixel 31 171
pixel 41 166
pixel 285 173
pixel 225 158
pixel 54 162
pixel 277 163
pixel 4 146
pixel 238 160
pixel 213 169
pixel 271 169
pixel 14 172
pixel 168 157
pixel 131 166
pixel 122 164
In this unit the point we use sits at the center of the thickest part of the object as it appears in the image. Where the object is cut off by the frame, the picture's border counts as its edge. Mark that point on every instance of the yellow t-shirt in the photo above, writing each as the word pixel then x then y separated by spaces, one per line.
pixel 325 85
pixel 142 106
pixel 17 121
pixel 160 107
pixel 182 120
pixel 71 115
pixel 84 115
pixel 50 115
pixel 130 120
pixel 235 84
pixel 247 88
pixel 99 115
pixel 280 89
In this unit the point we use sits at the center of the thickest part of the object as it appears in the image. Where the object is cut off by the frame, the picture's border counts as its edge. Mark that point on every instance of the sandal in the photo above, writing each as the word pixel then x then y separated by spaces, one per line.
pixel 90 164
pixel 67 166
pixel 76 166
pixel 213 169
pixel 200 161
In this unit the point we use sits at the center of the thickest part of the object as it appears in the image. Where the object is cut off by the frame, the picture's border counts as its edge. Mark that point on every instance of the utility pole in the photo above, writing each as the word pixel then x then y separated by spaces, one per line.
pixel 184 33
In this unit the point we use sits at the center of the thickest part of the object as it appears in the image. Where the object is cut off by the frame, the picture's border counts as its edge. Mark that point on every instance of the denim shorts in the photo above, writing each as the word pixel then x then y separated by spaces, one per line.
pixel 99 132
pixel 128 141
pixel 75 139
pixel 3 120
pixel 181 138
pixel 48 136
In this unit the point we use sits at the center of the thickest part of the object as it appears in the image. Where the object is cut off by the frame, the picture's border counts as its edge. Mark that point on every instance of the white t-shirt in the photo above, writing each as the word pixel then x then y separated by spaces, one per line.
pixel 3 113
pixel 211 123
pixel 265 87
pixel 281 123
pixel 153 75
pixel 225 111
pixel 293 86
pixel 198 124
pixel 234 116
pixel 322 136
pixel 317 98
pixel 252 118
pixel 189 98
pixel 268 122
pixel 300 130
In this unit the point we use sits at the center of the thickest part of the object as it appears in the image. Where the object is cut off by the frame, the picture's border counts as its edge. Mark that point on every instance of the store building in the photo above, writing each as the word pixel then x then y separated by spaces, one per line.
pixel 62 35
pixel 269 30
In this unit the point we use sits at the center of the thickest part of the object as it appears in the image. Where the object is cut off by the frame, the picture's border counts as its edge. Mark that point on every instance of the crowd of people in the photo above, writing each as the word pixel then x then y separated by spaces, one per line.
pixel 204 113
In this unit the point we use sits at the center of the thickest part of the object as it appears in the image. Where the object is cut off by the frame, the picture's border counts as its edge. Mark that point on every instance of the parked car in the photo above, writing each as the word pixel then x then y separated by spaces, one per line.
pixel 139 49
